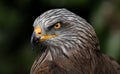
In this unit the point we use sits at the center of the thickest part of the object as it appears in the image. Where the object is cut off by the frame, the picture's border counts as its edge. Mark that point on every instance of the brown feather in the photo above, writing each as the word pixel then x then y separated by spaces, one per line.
pixel 75 64
pixel 76 51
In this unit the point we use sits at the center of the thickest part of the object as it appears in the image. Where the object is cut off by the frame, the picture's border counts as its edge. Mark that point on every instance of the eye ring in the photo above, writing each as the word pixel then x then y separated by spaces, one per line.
pixel 57 26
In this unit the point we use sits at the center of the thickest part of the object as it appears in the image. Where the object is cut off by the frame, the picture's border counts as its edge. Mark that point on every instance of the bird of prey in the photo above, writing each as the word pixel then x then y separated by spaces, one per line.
pixel 68 45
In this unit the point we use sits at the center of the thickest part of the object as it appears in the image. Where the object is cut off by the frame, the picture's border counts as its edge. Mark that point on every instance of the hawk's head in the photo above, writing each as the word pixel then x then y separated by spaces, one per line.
pixel 61 31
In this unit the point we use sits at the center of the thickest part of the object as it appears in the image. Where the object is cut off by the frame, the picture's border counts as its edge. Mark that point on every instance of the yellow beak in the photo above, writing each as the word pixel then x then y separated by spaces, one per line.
pixel 45 37
pixel 38 32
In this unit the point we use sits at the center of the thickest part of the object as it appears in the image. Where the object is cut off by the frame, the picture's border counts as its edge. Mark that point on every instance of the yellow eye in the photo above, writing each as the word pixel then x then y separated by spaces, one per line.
pixel 57 26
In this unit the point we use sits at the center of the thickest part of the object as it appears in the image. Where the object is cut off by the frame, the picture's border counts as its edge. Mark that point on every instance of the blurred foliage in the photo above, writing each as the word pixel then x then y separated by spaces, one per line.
pixel 105 19
pixel 17 17
pixel 66 3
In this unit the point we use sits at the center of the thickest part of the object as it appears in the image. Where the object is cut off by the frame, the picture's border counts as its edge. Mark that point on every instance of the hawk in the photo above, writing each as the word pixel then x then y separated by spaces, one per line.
pixel 68 45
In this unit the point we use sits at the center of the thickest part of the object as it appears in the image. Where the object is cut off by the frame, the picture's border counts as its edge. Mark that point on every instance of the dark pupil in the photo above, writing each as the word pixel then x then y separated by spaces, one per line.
pixel 56 25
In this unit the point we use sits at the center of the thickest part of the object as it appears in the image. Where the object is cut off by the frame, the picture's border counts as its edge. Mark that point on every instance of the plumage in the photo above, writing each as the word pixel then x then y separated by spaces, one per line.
pixel 68 45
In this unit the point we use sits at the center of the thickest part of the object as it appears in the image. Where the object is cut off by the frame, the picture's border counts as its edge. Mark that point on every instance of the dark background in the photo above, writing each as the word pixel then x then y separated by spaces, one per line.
pixel 17 17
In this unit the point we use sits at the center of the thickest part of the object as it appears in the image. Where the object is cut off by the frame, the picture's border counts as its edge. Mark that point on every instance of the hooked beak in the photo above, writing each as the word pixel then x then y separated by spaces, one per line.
pixel 35 40
pixel 38 37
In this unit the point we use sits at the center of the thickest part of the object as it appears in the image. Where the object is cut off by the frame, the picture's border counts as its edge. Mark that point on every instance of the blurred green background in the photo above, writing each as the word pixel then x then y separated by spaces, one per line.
pixel 17 17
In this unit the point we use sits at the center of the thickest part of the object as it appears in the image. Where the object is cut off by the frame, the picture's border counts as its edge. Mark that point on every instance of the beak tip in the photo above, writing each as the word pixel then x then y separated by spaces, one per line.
pixel 32 44
pixel 34 40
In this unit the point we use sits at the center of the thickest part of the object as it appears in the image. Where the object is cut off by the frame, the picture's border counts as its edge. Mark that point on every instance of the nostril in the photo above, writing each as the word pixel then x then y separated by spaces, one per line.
pixel 39 32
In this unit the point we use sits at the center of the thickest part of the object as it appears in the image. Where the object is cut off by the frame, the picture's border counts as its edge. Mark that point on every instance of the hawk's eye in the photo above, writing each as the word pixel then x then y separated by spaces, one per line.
pixel 57 26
